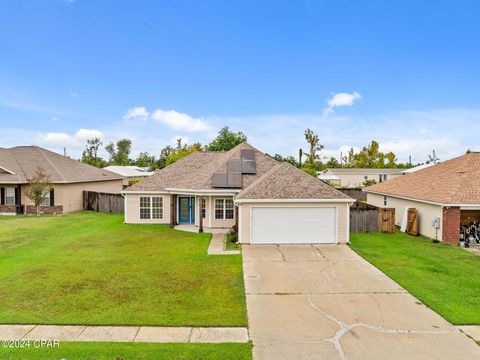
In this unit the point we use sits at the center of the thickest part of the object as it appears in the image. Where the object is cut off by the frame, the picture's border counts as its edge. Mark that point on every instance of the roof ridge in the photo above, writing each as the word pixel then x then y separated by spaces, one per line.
pixel 50 162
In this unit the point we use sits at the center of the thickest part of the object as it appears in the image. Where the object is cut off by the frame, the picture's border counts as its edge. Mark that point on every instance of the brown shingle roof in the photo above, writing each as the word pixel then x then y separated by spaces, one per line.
pixel 455 181
pixel 285 181
pixel 23 162
pixel 195 171
pixel 273 180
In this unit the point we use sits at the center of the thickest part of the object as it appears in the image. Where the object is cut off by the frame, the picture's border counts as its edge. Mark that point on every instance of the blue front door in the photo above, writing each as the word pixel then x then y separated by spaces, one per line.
pixel 186 209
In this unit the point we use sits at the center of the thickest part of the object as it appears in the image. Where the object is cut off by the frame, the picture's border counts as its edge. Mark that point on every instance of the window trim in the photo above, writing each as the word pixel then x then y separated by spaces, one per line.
pixel 10 196
pixel 224 209
pixel 151 207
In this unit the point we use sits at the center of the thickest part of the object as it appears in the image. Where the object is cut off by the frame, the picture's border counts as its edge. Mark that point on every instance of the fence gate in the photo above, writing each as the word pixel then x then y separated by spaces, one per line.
pixel 386 220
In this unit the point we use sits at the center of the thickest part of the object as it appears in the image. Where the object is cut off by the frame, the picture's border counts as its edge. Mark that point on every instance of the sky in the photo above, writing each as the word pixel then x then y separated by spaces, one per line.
pixel 403 73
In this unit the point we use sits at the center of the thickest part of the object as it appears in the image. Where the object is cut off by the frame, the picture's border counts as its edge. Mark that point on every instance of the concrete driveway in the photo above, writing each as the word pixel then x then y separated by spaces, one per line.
pixel 326 302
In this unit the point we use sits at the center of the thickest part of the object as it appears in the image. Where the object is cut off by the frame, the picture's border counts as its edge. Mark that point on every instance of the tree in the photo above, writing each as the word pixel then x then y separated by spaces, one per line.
pixel 290 159
pixel 226 140
pixel 370 157
pixel 181 152
pixel 315 148
pixel 90 154
pixel 332 163
pixel 38 188
pixel 369 182
pixel 433 158
pixel 119 154
pixel 144 159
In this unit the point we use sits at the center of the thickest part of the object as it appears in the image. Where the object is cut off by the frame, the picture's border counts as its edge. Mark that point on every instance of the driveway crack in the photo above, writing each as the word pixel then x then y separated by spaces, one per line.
pixel 345 328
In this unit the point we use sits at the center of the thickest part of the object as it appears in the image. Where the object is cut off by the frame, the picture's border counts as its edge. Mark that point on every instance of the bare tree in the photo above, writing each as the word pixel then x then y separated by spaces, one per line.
pixel 433 158
pixel 38 188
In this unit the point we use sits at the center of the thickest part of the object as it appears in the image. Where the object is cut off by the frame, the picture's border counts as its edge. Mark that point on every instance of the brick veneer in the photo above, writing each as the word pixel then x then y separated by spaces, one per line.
pixel 57 209
pixel 451 225
pixel 8 209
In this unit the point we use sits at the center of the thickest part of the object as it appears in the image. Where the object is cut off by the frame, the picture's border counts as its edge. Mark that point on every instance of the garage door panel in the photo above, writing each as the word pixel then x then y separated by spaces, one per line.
pixel 293 225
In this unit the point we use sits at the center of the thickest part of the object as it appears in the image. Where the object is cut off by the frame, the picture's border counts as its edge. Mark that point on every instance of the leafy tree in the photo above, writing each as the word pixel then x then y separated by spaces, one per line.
pixel 290 159
pixel 38 188
pixel 313 156
pixel 226 140
pixel 90 154
pixel 144 159
pixel 181 152
pixel 332 163
pixel 164 154
pixel 119 153
pixel 433 158
pixel 370 157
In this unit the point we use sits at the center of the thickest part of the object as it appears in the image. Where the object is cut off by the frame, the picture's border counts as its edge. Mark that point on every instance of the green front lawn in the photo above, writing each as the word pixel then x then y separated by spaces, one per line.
pixel 130 351
pixel 445 278
pixel 90 268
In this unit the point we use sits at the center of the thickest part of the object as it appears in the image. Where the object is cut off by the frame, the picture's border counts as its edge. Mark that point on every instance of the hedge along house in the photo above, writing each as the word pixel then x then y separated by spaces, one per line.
pixel 271 202
pixel 68 177
pixel 446 195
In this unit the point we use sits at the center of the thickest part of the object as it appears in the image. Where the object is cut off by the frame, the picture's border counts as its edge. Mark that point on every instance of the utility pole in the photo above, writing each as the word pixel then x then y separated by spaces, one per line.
pixel 300 154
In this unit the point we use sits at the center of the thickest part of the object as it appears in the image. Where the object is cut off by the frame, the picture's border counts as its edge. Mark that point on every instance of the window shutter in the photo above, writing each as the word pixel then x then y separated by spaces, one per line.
pixel 2 196
pixel 52 197
pixel 17 196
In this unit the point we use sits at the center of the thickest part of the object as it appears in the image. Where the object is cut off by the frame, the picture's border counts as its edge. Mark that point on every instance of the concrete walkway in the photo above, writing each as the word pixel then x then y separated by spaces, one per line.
pixel 216 246
pixel 471 330
pixel 326 302
pixel 124 333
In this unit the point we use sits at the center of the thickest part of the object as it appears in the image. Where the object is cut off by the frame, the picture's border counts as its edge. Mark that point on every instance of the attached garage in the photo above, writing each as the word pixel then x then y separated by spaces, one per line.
pixel 293 225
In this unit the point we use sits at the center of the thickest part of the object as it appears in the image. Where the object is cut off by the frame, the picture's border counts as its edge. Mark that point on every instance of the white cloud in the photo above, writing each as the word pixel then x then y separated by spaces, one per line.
pixel 341 99
pixel 180 121
pixel 136 115
pixel 63 139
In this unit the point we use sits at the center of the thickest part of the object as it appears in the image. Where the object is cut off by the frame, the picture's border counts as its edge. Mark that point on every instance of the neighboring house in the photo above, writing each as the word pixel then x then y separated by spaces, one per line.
pixel 446 195
pixel 269 201
pixel 130 173
pixel 68 177
pixel 416 168
pixel 355 177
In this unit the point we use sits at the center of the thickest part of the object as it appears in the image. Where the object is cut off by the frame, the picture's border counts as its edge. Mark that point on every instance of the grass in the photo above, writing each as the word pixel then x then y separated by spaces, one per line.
pixel 90 268
pixel 444 277
pixel 124 351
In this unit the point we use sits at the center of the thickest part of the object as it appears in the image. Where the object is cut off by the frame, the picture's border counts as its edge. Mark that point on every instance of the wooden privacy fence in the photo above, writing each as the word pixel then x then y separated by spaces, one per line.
pixel 103 202
pixel 354 193
pixel 369 218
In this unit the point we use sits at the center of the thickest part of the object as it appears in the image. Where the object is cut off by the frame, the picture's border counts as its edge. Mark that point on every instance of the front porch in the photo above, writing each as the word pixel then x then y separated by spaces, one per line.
pixel 196 229
pixel 198 212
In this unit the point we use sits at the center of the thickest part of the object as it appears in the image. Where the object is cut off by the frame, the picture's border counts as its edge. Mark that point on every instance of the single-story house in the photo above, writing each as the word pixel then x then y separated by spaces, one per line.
pixel 356 177
pixel 68 177
pixel 130 174
pixel 446 196
pixel 270 202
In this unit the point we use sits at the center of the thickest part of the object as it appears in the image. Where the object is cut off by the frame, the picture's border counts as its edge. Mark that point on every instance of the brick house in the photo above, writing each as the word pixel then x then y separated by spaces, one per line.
pixel 69 178
pixel 446 195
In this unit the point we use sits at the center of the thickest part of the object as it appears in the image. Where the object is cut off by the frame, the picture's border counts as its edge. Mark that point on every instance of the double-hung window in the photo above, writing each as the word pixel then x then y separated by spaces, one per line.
pixel 224 209
pixel 46 199
pixel 151 207
pixel 9 196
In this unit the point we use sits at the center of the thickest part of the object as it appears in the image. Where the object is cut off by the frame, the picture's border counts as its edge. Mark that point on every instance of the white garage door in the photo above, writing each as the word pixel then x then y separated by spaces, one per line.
pixel 293 225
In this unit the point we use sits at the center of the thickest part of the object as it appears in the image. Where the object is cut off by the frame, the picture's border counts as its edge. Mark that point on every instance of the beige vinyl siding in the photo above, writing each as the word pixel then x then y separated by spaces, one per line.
pixel 207 210
pixel 357 180
pixel 220 223
pixel 343 214
pixel 132 209
pixel 426 212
